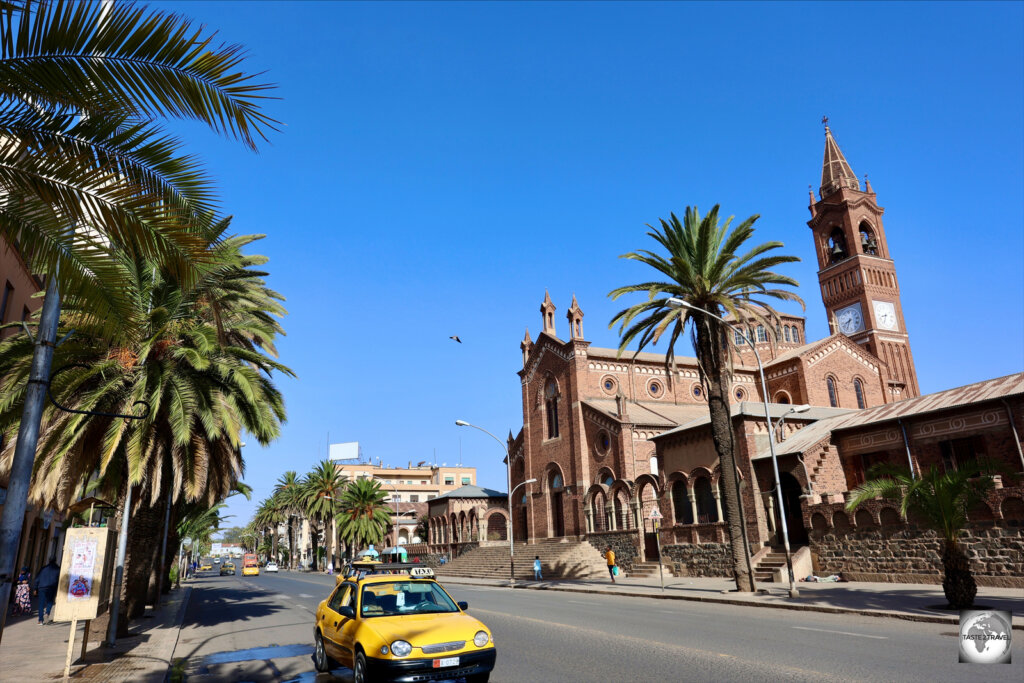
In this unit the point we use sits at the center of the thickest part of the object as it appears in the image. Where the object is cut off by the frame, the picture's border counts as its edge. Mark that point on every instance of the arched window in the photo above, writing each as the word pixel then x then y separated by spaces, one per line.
pixel 785 332
pixel 654 465
pixel 868 245
pixel 859 389
pixel 738 336
pixel 556 481
pixel 551 407
pixel 796 335
pixel 707 511
pixel 833 399
pixel 681 503
pixel 760 334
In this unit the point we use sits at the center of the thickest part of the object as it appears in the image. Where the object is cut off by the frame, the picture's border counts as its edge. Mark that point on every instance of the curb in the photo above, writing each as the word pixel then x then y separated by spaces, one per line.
pixel 905 616
pixel 178 619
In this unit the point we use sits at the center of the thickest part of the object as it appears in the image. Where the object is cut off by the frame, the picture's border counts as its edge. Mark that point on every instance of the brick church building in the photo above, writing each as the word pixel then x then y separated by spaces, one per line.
pixel 610 438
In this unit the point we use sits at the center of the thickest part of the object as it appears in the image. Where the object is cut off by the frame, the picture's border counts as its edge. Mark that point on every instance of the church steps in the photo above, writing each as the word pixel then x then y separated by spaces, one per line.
pixel 559 559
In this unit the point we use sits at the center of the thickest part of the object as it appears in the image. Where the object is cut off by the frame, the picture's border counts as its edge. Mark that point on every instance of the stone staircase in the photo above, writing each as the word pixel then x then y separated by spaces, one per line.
pixel 649 570
pixel 764 570
pixel 559 558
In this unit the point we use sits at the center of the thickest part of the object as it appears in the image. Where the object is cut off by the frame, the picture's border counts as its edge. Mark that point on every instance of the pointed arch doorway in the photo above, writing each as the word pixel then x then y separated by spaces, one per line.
pixel 556 499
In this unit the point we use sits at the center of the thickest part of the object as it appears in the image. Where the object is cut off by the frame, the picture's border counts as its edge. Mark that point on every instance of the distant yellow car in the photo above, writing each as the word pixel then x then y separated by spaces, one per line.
pixel 206 568
pixel 227 568
pixel 400 626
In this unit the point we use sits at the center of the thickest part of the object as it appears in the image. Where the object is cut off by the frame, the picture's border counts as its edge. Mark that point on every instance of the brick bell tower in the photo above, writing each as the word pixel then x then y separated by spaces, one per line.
pixel 857 275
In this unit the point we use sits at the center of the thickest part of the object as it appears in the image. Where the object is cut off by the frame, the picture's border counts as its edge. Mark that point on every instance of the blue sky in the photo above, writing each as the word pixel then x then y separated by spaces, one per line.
pixel 443 164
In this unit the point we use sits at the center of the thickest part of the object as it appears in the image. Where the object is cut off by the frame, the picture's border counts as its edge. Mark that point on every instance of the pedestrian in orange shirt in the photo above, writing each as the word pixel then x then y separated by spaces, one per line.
pixel 609 555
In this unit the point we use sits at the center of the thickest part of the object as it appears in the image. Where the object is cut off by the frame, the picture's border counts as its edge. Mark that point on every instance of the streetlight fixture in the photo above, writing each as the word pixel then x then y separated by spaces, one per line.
pixel 675 302
pixel 511 526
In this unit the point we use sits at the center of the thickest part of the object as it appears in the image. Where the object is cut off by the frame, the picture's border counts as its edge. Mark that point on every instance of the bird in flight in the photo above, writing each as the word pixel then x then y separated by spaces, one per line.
pixel 456 338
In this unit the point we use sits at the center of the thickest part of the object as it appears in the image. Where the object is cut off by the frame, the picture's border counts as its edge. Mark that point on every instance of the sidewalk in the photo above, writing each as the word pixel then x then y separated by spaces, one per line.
pixel 30 652
pixel 914 602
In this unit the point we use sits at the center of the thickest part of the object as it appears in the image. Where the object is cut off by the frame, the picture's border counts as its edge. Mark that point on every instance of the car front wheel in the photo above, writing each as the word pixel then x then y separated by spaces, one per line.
pixel 359 670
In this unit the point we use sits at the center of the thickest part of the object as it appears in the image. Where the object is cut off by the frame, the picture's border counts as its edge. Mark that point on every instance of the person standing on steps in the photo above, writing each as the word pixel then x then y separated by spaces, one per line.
pixel 536 568
pixel 609 556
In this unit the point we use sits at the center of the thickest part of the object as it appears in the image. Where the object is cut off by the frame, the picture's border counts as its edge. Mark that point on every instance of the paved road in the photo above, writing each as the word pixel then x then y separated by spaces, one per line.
pixel 260 629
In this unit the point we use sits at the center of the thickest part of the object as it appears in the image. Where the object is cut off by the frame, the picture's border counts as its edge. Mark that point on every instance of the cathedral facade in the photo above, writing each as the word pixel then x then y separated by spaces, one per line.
pixel 616 442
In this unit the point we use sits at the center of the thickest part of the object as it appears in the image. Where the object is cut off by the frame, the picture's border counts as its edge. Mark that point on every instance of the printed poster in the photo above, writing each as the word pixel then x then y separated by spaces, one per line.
pixel 83 563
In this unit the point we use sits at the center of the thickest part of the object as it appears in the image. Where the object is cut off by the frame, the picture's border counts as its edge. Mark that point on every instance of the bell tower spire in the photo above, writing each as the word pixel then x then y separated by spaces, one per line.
pixel 856 272
pixel 835 171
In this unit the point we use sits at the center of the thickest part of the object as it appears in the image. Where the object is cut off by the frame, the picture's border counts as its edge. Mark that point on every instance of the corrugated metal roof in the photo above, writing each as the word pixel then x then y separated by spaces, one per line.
pixel 988 390
pixel 471 491
pixel 649 413
pixel 627 355
pixel 756 410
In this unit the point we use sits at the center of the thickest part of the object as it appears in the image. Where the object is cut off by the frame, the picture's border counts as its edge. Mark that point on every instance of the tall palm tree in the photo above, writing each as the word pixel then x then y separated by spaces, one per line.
pixel 941 501
pixel 268 517
pixel 85 170
pixel 711 267
pixel 201 394
pixel 288 492
pixel 365 514
pixel 321 494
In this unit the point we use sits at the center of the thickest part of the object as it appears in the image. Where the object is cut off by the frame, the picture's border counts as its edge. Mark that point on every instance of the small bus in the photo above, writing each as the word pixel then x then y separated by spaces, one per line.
pixel 250 565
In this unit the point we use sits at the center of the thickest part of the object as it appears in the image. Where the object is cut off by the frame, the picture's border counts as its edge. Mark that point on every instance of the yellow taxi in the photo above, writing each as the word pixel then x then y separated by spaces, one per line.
pixel 394 622
pixel 206 567
pixel 227 568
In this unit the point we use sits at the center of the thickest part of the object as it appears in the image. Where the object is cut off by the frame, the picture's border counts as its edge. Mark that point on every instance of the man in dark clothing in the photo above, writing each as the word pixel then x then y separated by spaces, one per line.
pixel 46 587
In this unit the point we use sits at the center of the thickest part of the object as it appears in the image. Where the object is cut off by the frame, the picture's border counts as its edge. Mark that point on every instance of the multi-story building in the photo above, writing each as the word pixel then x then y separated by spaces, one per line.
pixel 409 489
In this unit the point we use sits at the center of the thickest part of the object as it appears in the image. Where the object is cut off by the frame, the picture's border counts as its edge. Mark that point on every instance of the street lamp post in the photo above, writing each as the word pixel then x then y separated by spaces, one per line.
pixel 681 303
pixel 398 514
pixel 508 472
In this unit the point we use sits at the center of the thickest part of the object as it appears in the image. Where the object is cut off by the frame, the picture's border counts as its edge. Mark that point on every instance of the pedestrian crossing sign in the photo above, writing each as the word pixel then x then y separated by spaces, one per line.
pixel 655 514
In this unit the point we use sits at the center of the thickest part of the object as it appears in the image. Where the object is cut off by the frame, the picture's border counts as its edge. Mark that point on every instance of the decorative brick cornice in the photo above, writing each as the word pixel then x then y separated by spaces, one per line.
pixel 537 356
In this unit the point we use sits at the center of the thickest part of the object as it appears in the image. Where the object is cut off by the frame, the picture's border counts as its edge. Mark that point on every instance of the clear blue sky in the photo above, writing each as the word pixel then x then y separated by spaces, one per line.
pixel 443 164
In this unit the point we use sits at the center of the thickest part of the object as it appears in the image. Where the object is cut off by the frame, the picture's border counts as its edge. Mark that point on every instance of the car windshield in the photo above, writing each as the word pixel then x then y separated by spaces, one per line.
pixel 405 597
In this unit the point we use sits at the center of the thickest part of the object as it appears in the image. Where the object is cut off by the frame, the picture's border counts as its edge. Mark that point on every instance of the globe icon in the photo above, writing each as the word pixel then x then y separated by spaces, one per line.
pixel 985 637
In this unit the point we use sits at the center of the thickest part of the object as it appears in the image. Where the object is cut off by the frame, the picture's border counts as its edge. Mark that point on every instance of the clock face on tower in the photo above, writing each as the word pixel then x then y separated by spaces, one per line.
pixel 885 314
pixel 850 319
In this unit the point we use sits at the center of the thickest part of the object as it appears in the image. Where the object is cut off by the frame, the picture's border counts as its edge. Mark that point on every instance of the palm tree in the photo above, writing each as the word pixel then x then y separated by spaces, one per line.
pixel 703 264
pixel 86 170
pixel 268 517
pixel 288 495
pixel 365 514
pixel 202 394
pixel 321 494
pixel 941 501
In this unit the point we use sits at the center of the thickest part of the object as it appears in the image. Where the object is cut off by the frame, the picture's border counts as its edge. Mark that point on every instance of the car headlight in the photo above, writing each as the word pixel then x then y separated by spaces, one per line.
pixel 481 638
pixel 400 648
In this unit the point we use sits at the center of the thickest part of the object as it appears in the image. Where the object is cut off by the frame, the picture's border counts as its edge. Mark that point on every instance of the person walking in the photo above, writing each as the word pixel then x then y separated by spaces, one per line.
pixel 46 589
pixel 609 556
pixel 536 568
pixel 23 593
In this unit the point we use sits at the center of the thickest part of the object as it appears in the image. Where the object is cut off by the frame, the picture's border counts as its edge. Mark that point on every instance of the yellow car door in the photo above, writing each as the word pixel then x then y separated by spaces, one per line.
pixel 347 630
pixel 330 620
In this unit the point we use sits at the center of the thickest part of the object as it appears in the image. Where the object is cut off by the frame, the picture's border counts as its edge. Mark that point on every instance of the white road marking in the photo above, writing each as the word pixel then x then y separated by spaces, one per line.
pixel 842 633
pixel 305 595
pixel 580 602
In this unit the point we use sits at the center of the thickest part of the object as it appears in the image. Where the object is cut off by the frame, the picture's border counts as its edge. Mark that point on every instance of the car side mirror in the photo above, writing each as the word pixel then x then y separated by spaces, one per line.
pixel 463 605
pixel 347 612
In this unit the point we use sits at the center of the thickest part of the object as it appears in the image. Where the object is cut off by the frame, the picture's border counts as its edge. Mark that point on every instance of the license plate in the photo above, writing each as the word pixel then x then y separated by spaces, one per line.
pixel 447 661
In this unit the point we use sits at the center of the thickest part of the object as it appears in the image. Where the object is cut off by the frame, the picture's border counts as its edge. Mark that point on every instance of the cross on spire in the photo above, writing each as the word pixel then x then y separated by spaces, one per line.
pixel 824 121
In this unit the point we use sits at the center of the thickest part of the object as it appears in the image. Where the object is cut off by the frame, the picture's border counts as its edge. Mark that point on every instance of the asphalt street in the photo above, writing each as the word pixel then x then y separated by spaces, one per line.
pixel 260 629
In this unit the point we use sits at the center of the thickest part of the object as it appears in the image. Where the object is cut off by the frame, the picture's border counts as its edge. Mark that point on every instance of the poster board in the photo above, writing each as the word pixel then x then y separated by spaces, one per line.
pixel 85 572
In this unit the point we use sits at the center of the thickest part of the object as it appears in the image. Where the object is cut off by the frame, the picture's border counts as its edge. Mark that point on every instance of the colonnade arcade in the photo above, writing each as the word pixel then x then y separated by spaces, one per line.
pixel 686 499
pixel 477 524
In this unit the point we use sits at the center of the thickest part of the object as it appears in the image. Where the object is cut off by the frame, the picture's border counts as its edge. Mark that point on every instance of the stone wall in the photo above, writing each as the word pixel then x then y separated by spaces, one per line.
pixel 700 559
pixel 906 553
pixel 626 545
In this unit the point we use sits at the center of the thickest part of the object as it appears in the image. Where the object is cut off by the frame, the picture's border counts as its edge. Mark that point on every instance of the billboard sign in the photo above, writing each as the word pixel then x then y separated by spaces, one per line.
pixel 345 451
